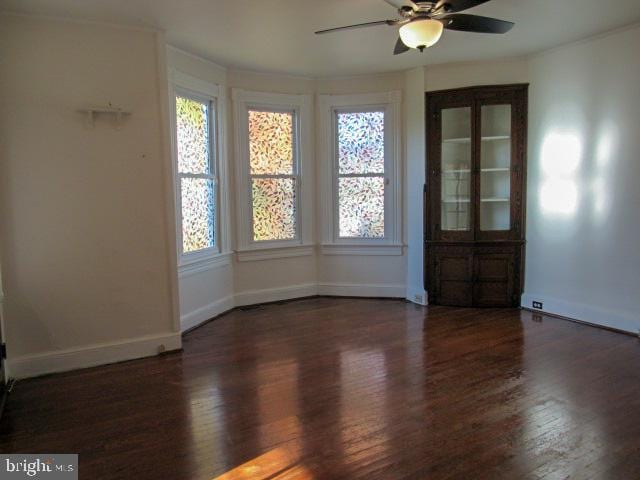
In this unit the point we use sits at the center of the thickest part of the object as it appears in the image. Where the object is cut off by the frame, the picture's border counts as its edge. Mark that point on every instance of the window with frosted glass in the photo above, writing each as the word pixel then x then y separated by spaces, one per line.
pixel 360 174
pixel 273 174
pixel 196 175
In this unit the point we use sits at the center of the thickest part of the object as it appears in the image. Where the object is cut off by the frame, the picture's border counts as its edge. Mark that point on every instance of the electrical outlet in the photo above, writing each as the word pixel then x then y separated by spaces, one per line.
pixel 537 305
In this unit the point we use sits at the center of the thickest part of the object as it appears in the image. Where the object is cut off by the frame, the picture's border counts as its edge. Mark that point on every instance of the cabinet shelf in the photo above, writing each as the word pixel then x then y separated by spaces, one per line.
pixel 483 200
pixel 488 138
pixel 488 170
pixel 494 138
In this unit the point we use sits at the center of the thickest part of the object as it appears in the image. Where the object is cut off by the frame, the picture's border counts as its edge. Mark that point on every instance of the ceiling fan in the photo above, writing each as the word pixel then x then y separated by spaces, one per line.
pixel 422 22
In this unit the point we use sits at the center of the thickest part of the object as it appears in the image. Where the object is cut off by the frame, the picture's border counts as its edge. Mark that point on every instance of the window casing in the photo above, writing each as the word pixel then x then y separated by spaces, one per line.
pixel 196 173
pixel 197 110
pixel 360 177
pixel 274 167
pixel 274 174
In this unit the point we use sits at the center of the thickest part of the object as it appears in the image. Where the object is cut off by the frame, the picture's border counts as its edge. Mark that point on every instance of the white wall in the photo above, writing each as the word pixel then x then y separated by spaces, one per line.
pixel 584 165
pixel 362 275
pixel 85 236
pixel 275 279
pixel 383 82
pixel 209 291
pixel 272 83
pixel 469 74
pixel 195 66
pixel 88 235
pixel 414 131
pixel 206 290
pixel 584 105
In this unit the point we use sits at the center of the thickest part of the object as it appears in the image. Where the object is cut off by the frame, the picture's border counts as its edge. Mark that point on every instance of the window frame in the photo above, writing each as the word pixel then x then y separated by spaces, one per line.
pixel 249 249
pixel 183 85
pixel 337 175
pixel 329 107
pixel 295 175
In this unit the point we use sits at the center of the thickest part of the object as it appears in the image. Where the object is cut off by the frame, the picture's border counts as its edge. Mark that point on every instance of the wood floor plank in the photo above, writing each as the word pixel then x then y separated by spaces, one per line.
pixel 326 388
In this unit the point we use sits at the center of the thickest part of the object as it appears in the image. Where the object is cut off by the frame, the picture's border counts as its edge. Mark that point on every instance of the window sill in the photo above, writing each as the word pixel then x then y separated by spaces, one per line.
pixel 256 254
pixel 191 267
pixel 395 249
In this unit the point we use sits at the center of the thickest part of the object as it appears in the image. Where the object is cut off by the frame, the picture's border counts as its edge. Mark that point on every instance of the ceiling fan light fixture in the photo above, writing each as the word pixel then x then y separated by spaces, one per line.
pixel 421 34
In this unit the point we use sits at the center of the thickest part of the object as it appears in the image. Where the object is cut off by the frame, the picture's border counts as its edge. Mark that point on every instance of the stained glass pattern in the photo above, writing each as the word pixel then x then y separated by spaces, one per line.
pixel 192 122
pixel 361 207
pixel 361 142
pixel 198 220
pixel 197 198
pixel 270 143
pixel 361 168
pixel 274 208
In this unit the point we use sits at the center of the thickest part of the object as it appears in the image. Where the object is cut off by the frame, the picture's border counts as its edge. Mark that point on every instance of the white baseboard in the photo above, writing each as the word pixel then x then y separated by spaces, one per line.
pixel 584 313
pixel 361 290
pixel 417 295
pixel 310 289
pixel 251 297
pixel 104 353
pixel 202 314
pixel 92 355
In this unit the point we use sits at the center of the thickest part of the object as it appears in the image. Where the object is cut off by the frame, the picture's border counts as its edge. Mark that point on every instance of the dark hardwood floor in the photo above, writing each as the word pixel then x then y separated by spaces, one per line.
pixel 327 388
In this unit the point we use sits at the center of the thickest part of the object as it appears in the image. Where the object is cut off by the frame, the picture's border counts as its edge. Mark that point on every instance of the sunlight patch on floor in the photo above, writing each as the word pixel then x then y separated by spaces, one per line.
pixel 279 463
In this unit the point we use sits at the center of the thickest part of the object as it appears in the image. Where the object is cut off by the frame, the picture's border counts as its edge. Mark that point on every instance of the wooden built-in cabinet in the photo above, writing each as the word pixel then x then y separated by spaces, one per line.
pixel 475 195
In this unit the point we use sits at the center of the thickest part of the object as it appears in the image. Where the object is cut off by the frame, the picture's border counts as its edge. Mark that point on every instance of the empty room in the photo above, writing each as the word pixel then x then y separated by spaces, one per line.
pixel 336 239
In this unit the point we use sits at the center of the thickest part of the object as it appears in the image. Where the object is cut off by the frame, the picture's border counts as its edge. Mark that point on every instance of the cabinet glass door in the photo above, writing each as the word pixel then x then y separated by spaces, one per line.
pixel 495 168
pixel 455 170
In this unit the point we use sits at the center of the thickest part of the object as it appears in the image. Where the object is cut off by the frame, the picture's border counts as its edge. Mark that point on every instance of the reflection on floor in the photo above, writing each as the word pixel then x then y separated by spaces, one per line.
pixel 328 388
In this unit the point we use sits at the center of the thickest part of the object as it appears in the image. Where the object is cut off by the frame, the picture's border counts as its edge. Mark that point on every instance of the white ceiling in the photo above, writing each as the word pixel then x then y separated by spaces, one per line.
pixel 277 35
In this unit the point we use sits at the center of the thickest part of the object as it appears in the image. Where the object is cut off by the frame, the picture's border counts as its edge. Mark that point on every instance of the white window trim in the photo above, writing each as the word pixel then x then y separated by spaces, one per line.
pixel 331 243
pixel 204 265
pixel 271 253
pixel 219 254
pixel 246 248
pixel 362 249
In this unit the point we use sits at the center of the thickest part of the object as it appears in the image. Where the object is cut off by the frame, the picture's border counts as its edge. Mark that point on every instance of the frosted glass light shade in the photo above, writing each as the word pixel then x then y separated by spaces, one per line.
pixel 421 33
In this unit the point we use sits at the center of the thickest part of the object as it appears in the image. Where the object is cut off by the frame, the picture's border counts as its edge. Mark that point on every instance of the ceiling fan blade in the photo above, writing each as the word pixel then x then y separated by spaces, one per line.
pixel 475 23
pixel 398 4
pixel 452 6
pixel 400 47
pixel 357 25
